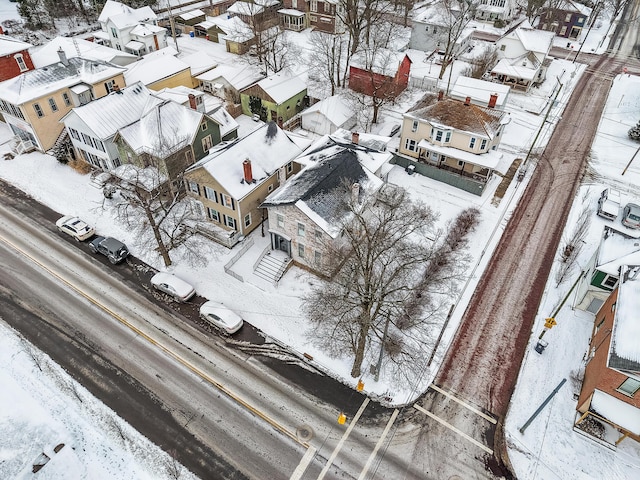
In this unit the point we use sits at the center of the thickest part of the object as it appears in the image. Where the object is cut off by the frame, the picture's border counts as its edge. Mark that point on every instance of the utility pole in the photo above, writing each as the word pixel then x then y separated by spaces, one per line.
pixel 172 23
pixel 598 8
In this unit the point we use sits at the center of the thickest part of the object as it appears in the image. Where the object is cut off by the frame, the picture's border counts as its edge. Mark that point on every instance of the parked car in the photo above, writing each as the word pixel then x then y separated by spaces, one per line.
pixel 220 316
pixel 168 283
pixel 75 227
pixel 631 216
pixel 609 204
pixel 113 249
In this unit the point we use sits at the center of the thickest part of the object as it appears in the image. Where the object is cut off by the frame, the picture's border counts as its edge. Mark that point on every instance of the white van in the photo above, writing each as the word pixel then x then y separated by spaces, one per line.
pixel 609 204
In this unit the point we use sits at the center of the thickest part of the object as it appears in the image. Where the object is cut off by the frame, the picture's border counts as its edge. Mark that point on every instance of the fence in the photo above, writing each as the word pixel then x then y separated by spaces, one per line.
pixel 227 268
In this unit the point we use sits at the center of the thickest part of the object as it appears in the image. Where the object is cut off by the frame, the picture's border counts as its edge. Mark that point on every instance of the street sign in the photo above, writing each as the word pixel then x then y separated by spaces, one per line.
pixel 549 322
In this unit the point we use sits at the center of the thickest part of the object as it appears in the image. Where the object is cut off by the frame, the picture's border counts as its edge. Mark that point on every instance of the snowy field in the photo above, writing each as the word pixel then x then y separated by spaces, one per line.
pixel 548 450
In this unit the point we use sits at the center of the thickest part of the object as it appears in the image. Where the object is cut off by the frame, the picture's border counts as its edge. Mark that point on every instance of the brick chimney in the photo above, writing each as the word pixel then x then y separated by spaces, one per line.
pixel 440 95
pixel 467 101
pixel 493 99
pixel 355 192
pixel 192 101
pixel 246 166
pixel 355 138
pixel 63 56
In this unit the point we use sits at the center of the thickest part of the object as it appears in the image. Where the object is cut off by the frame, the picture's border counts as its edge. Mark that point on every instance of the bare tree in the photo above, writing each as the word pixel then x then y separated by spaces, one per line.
pixel 382 290
pixel 482 63
pixel 455 16
pixel 572 243
pixel 279 51
pixel 358 18
pixel 172 467
pixel 613 6
pixel 328 59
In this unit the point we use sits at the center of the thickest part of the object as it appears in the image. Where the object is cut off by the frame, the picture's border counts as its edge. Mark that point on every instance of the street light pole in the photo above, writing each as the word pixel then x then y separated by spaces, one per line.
pixel 384 338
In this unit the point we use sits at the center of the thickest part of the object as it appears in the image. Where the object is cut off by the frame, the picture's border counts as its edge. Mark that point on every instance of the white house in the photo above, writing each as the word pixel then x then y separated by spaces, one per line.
pixel 226 81
pixel 480 92
pixel 92 126
pixel 132 30
pixel 492 10
pixel 78 47
pixel 328 115
pixel 431 26
pixel 523 52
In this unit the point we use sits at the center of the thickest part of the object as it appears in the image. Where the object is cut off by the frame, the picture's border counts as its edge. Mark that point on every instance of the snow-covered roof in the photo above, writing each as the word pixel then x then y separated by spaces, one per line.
pixel 199 62
pixel 152 68
pixel 619 412
pixel 192 14
pixel 318 188
pixel 381 61
pixel 453 113
pixel 164 128
pixel 246 8
pixel 104 116
pixel 617 249
pixel 282 86
pixel 225 120
pixel 239 76
pixel 34 84
pixel 491 159
pixel 292 12
pixel 146 29
pixel 134 45
pixel 47 54
pixel 371 141
pixel 520 67
pixel 133 17
pixel 437 13
pixel 335 108
pixel 532 39
pixel 267 147
pixel 624 350
pixel 111 9
pixel 479 90
pixel 266 3
pixel 10 45
pixel 569 6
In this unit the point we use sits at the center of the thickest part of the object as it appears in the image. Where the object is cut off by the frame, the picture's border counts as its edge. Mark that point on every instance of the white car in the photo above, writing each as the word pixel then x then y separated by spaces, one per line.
pixel 180 290
pixel 75 227
pixel 220 316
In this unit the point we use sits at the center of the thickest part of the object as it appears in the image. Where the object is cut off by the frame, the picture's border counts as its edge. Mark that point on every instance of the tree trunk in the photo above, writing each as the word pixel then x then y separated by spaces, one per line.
pixel 362 342
pixel 162 248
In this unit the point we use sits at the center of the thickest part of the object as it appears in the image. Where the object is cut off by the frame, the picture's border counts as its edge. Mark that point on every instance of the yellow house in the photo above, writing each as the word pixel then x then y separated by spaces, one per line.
pixel 229 185
pixel 160 69
pixel 34 102
pixel 453 141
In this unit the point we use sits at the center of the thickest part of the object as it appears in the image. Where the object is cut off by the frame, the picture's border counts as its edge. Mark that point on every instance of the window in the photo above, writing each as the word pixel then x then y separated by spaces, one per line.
pixel 300 229
pixel 483 144
pixel 21 63
pixel 270 188
pixel 74 133
pixel 247 220
pixel 503 47
pixel 289 167
pixel 318 234
pixel 38 110
pixel 313 5
pixel 439 134
pixel 52 104
pixel 203 125
pixel 280 220
pixel 301 250
pixel 67 100
pixel 227 201
pixel 193 187
pixel 567 18
pixel 610 281
pixel 629 387
pixel 213 214
pixel 230 221
pixel 599 326
pixel 114 32
pixel 327 7
pixel 435 29
pixel 580 20
pixel 294 4
pixel 410 145
pixel 110 86
pixel 447 137
pixel 207 143
pixel 317 258
pixel 460 163
pixel 563 31
pixel 472 142
pixel 211 194
pixel 414 127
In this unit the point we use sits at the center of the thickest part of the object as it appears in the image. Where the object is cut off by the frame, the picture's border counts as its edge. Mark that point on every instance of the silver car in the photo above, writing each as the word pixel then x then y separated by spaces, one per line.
pixel 631 216
pixel 75 227
pixel 220 316
pixel 180 290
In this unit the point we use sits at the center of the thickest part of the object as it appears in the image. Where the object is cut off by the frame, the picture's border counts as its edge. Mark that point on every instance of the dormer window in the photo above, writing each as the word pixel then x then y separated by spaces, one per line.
pixel 414 127
pixel 21 63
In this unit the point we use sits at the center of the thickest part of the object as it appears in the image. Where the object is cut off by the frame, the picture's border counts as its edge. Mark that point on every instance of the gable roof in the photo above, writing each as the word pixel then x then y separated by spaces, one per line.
pixel 47 54
pixel 335 108
pixel 10 45
pixel 267 147
pixel 239 76
pixel 154 67
pixel 34 84
pixel 532 39
pixel 452 113
pixel 111 9
pixel 318 189
pixel 282 86
pixel 617 249
pixel 624 350
pixel 381 61
pixel 164 128
pixel 246 8
pixel 146 29
pixel 104 116
pixel 480 90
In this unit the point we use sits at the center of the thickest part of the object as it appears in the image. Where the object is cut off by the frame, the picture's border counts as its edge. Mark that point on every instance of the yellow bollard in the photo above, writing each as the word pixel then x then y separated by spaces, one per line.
pixel 342 418
pixel 360 385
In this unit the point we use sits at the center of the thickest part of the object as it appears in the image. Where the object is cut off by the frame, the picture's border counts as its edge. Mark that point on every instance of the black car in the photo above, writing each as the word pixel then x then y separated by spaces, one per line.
pixel 113 249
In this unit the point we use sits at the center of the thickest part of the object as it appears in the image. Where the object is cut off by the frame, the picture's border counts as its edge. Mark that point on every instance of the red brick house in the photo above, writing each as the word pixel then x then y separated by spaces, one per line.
pixel 610 395
pixel 14 57
pixel 321 15
pixel 383 73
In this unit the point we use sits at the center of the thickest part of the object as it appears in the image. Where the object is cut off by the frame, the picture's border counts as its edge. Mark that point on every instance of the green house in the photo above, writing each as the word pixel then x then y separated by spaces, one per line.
pixel 277 98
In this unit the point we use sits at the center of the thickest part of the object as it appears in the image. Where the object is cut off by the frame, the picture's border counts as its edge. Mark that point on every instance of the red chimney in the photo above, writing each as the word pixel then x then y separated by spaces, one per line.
pixel 440 95
pixel 355 138
pixel 192 101
pixel 493 98
pixel 467 101
pixel 246 166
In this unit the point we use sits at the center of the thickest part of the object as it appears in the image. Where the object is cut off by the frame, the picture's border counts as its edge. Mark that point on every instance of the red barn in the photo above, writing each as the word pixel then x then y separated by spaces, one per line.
pixel 14 57
pixel 382 73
